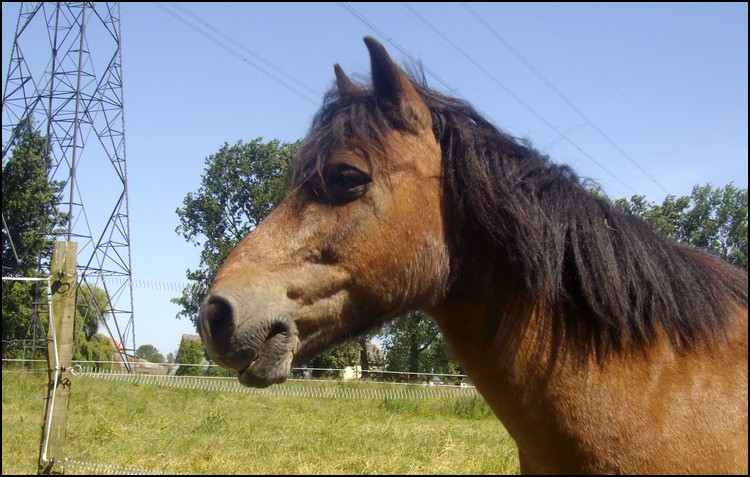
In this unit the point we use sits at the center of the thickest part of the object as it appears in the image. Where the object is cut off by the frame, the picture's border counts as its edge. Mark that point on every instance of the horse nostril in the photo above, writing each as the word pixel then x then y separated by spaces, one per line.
pixel 217 315
pixel 278 328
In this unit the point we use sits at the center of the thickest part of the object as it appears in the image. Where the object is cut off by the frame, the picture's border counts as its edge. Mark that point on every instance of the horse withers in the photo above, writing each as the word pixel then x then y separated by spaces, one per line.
pixel 602 347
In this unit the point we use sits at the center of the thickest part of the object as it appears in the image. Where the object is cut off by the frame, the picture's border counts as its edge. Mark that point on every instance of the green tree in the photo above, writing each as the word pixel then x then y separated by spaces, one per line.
pixel 190 352
pixel 239 187
pixel 92 308
pixel 30 201
pixel 30 221
pixel 339 357
pixel 713 219
pixel 149 353
pixel 24 320
pixel 413 343
pixel 19 303
pixel 97 350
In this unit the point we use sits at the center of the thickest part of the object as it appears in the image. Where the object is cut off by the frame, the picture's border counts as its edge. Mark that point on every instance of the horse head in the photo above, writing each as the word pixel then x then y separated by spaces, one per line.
pixel 358 241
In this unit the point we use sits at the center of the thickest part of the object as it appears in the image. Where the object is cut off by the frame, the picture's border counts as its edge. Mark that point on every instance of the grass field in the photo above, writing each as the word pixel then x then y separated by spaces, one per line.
pixel 190 431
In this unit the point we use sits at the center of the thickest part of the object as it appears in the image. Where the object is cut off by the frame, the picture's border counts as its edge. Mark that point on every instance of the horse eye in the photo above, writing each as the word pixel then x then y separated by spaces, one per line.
pixel 348 178
pixel 347 183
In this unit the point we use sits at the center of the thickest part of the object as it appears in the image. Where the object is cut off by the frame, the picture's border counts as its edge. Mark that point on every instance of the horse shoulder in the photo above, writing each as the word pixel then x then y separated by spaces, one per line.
pixel 673 411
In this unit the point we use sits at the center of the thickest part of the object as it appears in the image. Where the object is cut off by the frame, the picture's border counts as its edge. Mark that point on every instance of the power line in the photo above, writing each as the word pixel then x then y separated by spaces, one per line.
pixel 385 37
pixel 380 33
pixel 561 95
pixel 251 52
pixel 515 96
pixel 240 56
pixel 607 80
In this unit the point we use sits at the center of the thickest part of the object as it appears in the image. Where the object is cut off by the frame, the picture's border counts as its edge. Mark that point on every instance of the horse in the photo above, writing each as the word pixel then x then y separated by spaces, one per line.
pixel 600 346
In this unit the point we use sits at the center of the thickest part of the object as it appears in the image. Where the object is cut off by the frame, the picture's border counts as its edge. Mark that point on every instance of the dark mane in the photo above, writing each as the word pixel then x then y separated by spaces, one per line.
pixel 609 272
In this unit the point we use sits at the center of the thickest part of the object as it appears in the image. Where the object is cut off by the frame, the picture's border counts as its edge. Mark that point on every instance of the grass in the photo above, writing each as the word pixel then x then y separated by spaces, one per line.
pixel 191 431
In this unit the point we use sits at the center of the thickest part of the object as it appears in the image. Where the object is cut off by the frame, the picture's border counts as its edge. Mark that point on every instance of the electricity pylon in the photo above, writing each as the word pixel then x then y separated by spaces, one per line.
pixel 65 74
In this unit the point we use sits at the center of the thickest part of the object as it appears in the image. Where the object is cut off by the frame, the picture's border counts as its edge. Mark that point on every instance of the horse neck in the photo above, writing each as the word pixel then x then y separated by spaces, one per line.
pixel 570 411
pixel 506 347
pixel 503 340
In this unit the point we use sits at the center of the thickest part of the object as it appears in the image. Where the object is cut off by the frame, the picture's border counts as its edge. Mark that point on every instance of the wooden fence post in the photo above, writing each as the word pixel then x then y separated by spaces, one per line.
pixel 59 335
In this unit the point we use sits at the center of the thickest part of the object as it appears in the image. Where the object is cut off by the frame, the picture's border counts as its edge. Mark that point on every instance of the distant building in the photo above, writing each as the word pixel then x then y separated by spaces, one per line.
pixel 192 337
pixel 374 355
pixel 435 381
pixel 136 365
pixel 375 359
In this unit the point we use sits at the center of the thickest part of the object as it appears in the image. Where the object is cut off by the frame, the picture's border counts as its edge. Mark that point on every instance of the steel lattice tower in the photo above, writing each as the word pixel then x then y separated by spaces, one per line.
pixel 66 74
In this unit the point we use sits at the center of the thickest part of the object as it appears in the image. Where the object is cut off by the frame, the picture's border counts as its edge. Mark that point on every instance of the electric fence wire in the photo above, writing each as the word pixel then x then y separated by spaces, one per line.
pixel 291 388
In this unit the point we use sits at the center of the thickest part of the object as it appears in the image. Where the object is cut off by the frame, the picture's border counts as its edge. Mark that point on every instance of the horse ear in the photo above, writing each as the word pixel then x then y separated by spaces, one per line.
pixel 344 84
pixel 393 85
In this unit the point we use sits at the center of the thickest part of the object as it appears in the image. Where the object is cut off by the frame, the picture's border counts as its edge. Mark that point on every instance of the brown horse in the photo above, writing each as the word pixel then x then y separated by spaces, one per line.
pixel 601 347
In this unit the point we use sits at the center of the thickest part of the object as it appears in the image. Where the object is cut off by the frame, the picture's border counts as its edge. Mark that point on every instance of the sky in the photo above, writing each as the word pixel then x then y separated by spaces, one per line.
pixel 644 98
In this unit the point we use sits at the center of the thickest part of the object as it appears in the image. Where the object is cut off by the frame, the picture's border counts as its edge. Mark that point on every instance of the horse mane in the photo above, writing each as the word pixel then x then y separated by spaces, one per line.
pixel 605 273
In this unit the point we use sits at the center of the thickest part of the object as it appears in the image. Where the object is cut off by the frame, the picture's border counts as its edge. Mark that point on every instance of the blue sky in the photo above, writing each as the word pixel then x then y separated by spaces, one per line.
pixel 647 98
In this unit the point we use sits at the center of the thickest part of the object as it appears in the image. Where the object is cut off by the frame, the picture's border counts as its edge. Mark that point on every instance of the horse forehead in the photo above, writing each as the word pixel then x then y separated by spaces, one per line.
pixel 418 153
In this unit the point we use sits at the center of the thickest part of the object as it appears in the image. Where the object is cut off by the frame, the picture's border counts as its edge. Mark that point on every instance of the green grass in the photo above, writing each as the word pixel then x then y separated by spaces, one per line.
pixel 182 430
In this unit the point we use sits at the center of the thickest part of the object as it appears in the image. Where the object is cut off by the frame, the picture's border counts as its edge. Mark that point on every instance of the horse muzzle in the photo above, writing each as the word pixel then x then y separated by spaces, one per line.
pixel 248 333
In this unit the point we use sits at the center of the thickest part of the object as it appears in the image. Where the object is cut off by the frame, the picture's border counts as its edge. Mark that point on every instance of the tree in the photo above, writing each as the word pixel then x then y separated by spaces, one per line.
pixel 97 350
pixel 713 219
pixel 92 308
pixel 414 343
pixel 30 201
pixel 30 221
pixel 24 320
pixel 190 352
pixel 149 353
pixel 239 187
pixel 30 317
pixel 339 357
